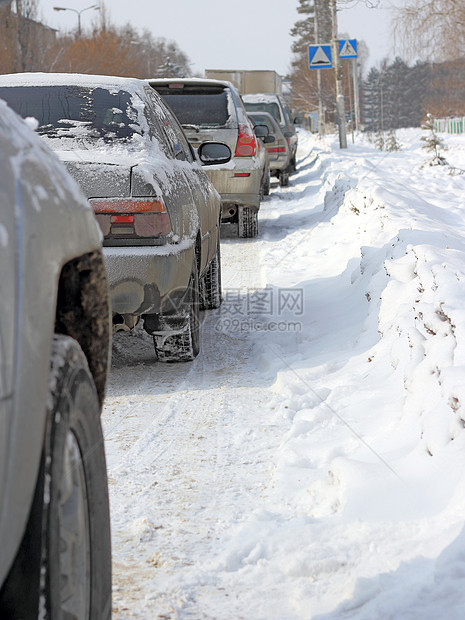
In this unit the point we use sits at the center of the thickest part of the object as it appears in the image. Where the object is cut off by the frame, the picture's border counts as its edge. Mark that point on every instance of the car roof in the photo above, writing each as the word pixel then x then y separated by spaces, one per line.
pixel 261 97
pixel 193 81
pixel 70 79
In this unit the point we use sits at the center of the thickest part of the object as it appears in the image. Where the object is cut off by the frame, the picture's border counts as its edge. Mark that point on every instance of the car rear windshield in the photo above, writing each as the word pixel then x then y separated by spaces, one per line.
pixel 74 111
pixel 264 106
pixel 263 120
pixel 197 106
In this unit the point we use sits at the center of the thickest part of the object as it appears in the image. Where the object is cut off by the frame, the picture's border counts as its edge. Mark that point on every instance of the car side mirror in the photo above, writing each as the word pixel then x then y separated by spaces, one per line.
pixel 261 131
pixel 211 153
pixel 269 139
pixel 288 134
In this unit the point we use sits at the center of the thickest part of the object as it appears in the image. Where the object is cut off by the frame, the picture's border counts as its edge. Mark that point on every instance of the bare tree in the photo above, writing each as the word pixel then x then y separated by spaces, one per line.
pixel 432 29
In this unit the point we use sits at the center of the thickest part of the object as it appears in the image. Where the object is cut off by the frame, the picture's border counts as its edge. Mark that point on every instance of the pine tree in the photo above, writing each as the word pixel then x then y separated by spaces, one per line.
pixel 391 143
pixel 370 108
pixel 303 31
pixel 379 140
pixel 432 143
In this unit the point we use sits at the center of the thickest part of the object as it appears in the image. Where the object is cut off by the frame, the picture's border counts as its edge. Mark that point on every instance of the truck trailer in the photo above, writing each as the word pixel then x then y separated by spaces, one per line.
pixel 249 81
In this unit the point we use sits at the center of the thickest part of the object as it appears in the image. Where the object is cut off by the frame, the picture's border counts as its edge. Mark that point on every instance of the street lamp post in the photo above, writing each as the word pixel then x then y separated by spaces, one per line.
pixel 78 13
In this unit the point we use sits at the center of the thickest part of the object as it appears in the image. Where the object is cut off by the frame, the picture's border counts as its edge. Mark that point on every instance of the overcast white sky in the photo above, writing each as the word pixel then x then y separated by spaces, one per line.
pixel 233 34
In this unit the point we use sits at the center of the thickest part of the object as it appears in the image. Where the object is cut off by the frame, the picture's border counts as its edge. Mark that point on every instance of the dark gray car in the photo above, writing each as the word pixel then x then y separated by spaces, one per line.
pixel 277 107
pixel 54 358
pixel 278 151
pixel 158 211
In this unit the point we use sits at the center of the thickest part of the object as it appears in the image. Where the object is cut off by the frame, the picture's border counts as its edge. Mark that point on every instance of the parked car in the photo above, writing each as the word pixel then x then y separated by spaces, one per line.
pixel 277 107
pixel 262 135
pixel 278 152
pixel 158 211
pixel 54 357
pixel 213 110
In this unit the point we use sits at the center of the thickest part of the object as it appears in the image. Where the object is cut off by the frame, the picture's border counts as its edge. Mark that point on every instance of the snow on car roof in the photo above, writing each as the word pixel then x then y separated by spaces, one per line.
pixel 69 79
pixel 266 97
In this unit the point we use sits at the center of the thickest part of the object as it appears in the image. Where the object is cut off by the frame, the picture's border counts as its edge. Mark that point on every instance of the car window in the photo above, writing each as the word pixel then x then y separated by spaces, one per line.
pixel 159 127
pixel 195 105
pixel 265 106
pixel 75 111
pixel 174 134
pixel 287 116
pixel 263 120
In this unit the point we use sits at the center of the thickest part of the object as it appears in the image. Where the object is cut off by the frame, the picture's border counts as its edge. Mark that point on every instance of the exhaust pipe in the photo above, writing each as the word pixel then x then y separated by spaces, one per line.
pixel 229 212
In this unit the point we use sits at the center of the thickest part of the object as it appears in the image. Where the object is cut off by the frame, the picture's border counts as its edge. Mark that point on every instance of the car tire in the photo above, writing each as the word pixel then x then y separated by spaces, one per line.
pixel 267 186
pixel 184 345
pixel 247 222
pixel 284 179
pixel 210 285
pixel 76 549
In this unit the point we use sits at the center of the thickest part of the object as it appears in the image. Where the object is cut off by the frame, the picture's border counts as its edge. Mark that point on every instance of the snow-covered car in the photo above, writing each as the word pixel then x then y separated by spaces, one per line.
pixel 54 356
pixel 278 153
pixel 213 110
pixel 277 107
pixel 158 211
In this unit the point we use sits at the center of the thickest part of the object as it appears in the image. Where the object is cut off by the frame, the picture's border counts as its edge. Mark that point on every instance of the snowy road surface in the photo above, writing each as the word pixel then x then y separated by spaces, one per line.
pixel 310 462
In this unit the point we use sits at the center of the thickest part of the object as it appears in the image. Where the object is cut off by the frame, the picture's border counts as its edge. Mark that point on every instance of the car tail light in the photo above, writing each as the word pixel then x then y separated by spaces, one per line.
pixel 246 145
pixel 276 149
pixel 132 218
pixel 242 174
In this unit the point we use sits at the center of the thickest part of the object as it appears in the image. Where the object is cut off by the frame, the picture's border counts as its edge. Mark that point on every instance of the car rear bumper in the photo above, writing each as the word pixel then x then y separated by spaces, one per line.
pixel 279 163
pixel 142 280
pixel 242 182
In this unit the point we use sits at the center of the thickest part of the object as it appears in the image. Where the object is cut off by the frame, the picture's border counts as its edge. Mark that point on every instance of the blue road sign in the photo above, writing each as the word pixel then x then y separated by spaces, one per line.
pixel 348 48
pixel 319 57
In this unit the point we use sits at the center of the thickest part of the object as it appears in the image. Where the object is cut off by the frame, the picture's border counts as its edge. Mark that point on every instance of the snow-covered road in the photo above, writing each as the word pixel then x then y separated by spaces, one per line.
pixel 309 463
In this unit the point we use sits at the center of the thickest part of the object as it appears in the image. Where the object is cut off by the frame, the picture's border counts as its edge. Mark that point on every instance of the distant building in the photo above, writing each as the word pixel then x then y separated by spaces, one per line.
pixel 23 42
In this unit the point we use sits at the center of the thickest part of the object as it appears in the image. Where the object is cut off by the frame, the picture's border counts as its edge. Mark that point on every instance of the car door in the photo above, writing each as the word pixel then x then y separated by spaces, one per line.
pixel 8 297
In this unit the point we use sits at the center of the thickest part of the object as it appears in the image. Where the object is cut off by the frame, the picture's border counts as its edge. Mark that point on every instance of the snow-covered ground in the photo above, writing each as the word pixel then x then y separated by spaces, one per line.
pixel 310 462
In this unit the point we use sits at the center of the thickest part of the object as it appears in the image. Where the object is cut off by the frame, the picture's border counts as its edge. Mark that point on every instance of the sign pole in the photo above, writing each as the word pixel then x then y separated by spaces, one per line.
pixel 356 94
pixel 321 120
pixel 338 71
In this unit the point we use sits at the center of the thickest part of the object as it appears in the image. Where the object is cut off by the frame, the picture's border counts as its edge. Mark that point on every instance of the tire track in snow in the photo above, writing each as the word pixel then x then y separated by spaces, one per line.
pixel 178 455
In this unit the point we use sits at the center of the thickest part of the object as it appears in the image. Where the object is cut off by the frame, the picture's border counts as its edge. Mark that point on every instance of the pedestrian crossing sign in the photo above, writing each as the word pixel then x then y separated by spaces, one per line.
pixel 319 57
pixel 348 48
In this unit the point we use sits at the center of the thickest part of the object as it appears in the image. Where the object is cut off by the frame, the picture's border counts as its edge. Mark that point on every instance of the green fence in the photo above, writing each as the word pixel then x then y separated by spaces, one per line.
pixel 450 125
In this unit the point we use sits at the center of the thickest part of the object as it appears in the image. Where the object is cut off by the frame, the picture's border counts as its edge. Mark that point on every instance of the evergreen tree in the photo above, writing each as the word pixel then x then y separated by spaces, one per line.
pixel 432 143
pixel 303 31
pixel 391 143
pixel 370 101
pixel 303 80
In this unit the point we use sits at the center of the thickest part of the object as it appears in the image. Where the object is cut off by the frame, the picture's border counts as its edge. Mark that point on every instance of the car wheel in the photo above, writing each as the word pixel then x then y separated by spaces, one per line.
pixel 284 179
pixel 247 222
pixel 267 187
pixel 184 345
pixel 76 552
pixel 210 285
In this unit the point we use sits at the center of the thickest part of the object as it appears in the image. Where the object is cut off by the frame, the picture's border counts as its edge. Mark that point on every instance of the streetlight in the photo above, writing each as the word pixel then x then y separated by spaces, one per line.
pixel 62 8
